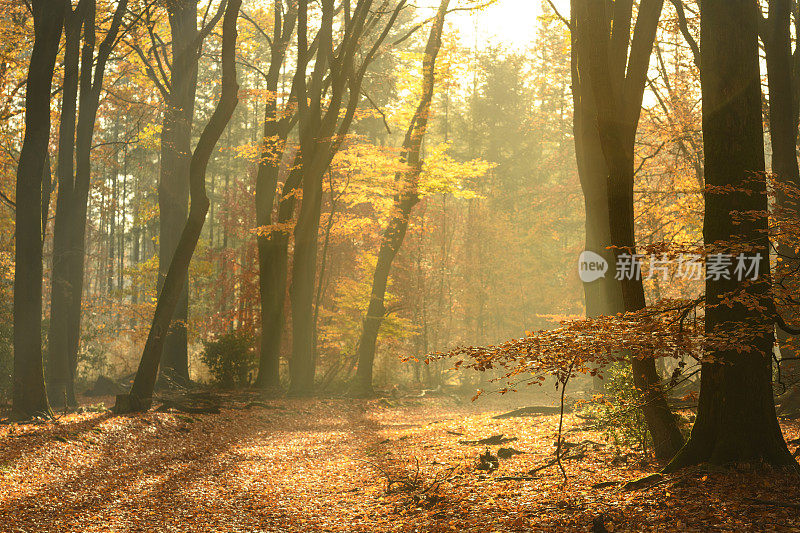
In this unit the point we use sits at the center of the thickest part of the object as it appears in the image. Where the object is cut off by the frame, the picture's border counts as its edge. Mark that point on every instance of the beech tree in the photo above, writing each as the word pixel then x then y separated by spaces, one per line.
pixel 140 396
pixel 736 420
pixel 273 243
pixel 406 199
pixel 69 237
pixel 175 76
pixel 783 72
pixel 327 104
pixel 29 394
pixel 614 66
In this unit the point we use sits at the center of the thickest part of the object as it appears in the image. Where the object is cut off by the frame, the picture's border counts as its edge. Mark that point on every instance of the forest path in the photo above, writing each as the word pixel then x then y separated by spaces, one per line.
pixel 315 465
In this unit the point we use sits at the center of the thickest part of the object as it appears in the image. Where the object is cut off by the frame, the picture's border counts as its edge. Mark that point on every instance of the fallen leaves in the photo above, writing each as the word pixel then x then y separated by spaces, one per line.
pixel 304 468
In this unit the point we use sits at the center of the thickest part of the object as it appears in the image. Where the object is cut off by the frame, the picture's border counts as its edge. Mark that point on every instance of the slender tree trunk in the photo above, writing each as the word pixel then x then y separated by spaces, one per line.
pixel 59 369
pixel 29 394
pixel 783 71
pixel 73 200
pixel 141 393
pixel 736 419
pixel 273 246
pixel 324 116
pixel 396 229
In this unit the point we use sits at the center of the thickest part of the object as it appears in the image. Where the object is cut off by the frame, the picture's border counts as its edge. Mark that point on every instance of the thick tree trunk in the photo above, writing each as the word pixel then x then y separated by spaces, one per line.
pixel 617 79
pixel 273 268
pixel 407 198
pixel 736 419
pixel 29 394
pixel 602 297
pixel 173 185
pixel 304 269
pixel 273 246
pixel 315 148
pixel 141 393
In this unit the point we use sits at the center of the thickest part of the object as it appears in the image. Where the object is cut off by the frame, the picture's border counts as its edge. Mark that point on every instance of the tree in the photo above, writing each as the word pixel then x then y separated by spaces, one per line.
pixel 324 118
pixel 407 198
pixel 176 79
pixel 736 419
pixel 783 72
pixel 29 393
pixel 602 296
pixel 617 81
pixel 140 396
pixel 69 237
pixel 273 245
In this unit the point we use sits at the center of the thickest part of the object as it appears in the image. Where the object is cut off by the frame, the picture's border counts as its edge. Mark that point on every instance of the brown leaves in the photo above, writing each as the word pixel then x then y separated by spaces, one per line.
pixel 304 469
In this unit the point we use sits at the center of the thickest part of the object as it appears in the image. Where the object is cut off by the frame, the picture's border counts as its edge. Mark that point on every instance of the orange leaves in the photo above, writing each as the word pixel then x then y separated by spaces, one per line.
pixel 304 465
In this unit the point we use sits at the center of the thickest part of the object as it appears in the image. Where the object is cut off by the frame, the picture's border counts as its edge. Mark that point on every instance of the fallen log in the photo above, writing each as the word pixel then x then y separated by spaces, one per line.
pixel 532 411
pixel 494 440
pixel 643 482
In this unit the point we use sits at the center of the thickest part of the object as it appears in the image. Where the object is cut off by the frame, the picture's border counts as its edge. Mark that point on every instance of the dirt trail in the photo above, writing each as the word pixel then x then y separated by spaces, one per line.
pixel 316 465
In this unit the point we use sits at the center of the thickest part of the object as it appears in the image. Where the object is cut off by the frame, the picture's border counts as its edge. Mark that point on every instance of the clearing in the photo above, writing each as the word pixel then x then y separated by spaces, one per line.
pixel 324 465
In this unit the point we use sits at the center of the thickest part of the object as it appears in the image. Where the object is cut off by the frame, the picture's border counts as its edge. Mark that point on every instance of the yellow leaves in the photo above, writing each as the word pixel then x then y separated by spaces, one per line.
pixel 443 174
pixel 282 227
pixel 150 135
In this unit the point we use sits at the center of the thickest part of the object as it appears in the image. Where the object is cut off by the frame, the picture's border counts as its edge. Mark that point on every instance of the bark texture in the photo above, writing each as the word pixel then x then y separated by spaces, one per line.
pixel 140 396
pixel 29 396
pixel 617 67
pixel 736 419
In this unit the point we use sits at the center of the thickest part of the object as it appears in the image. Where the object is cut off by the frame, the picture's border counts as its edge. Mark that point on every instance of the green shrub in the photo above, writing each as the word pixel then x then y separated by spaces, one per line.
pixel 619 411
pixel 231 359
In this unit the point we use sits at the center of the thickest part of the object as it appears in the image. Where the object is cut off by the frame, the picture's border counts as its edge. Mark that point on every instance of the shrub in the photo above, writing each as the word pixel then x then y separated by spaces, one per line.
pixel 231 359
pixel 619 410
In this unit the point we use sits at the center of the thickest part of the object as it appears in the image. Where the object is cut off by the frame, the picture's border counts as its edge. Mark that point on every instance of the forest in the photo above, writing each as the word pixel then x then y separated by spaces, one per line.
pixel 382 265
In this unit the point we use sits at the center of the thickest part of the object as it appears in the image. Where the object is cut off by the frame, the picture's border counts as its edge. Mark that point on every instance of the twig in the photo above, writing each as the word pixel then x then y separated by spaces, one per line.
pixel 561 419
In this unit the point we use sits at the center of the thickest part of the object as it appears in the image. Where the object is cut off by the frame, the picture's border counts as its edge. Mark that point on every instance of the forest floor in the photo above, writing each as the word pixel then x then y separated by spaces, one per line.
pixel 323 465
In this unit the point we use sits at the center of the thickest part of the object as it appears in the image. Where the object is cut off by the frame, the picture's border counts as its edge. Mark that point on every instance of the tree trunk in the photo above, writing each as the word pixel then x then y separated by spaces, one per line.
pixel 65 317
pixel 782 70
pixel 618 80
pixel 141 393
pixel 273 268
pixel 603 296
pixel 396 229
pixel 60 376
pixel 325 117
pixel 273 246
pixel 736 419
pixel 173 185
pixel 304 270
pixel 29 394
